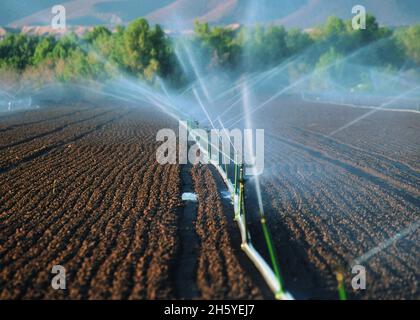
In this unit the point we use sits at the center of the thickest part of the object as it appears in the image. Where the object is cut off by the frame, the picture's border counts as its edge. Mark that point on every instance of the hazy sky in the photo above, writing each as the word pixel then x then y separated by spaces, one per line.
pixel 301 13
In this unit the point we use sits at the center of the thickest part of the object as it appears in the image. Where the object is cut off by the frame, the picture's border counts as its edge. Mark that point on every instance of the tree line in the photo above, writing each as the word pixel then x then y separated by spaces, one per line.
pixel 145 51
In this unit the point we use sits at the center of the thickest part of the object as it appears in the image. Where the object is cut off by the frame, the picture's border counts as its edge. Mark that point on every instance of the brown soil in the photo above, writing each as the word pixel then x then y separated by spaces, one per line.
pixel 80 187
pixel 220 274
pixel 329 200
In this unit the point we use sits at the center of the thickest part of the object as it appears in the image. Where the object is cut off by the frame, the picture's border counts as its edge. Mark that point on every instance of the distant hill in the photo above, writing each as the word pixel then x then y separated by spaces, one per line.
pixel 180 14
pixel 387 12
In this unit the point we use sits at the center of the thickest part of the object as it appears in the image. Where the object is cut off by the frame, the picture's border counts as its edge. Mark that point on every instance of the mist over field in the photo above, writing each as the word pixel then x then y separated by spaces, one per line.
pixel 331 62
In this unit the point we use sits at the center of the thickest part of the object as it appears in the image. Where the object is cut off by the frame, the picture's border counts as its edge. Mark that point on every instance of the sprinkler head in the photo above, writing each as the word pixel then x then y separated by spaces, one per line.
pixel 279 296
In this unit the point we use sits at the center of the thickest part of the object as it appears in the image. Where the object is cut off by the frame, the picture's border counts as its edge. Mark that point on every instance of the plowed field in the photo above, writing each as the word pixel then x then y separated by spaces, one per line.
pixel 80 187
pixel 336 200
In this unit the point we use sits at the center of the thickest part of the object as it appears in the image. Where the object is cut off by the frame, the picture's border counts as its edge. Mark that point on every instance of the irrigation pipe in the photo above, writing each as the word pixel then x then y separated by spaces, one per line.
pixel 272 278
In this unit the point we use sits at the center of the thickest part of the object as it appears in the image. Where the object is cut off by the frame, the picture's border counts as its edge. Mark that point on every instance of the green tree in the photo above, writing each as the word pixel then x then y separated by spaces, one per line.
pixel 138 45
pixel 16 51
pixel 148 51
pixel 97 32
pixel 329 68
pixel 410 40
pixel 218 45
pixel 64 46
pixel 43 50
pixel 297 41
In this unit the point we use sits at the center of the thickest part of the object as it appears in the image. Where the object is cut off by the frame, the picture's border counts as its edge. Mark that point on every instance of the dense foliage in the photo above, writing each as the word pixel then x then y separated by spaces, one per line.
pixel 138 49
pixel 147 52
